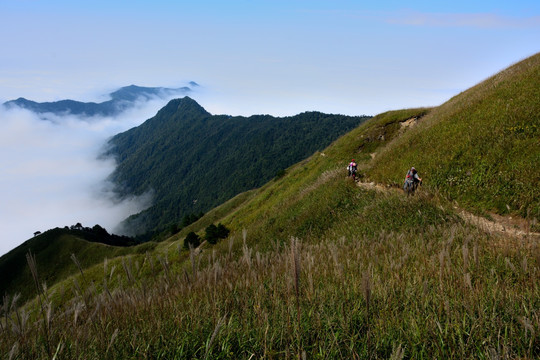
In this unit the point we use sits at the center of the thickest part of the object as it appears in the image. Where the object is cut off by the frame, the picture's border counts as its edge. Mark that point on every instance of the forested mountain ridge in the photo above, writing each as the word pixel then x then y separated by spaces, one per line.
pixel 121 100
pixel 193 160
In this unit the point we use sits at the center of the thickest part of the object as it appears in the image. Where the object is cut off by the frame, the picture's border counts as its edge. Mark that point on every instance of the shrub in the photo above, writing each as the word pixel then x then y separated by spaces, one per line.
pixel 214 233
pixel 211 234
pixel 192 239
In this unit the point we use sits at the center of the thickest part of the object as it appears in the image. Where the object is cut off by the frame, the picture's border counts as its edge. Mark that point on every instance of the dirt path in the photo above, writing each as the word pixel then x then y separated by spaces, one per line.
pixel 506 225
pixel 374 186
pixel 501 224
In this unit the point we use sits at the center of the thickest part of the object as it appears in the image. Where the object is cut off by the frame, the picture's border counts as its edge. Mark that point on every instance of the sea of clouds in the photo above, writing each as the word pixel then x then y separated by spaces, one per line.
pixel 52 174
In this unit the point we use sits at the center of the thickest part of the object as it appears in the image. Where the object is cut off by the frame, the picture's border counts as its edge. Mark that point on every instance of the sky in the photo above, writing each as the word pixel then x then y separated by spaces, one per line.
pixel 250 57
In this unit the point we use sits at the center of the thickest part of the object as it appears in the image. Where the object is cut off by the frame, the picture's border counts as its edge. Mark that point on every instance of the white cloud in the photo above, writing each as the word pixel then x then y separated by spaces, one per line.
pixel 51 175
pixel 464 20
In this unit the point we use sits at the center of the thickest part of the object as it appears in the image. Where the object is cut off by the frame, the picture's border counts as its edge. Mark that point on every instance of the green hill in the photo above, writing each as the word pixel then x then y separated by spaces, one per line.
pixel 481 148
pixel 315 267
pixel 52 251
pixel 193 161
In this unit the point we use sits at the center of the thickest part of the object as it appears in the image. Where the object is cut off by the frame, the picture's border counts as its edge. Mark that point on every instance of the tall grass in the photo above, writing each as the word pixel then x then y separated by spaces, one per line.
pixel 366 296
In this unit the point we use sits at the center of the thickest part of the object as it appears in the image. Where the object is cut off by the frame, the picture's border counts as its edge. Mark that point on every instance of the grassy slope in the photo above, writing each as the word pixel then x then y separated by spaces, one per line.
pixel 481 148
pixel 372 275
pixel 52 251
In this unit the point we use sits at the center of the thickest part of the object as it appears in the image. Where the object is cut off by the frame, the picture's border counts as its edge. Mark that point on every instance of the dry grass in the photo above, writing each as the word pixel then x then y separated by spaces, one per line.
pixel 368 297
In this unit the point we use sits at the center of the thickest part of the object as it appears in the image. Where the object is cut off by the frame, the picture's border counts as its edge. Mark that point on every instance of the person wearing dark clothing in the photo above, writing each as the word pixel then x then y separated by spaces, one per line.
pixel 411 181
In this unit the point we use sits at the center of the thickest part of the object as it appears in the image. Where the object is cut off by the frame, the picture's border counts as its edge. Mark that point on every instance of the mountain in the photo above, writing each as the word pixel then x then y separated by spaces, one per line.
pixel 318 266
pixel 193 161
pixel 121 100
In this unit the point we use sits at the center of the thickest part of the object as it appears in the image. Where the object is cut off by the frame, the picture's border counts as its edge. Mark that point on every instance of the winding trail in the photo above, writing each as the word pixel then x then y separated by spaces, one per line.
pixel 505 225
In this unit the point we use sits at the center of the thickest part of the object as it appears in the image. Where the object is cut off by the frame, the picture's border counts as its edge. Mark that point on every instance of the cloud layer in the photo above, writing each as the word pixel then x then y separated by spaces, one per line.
pixel 52 176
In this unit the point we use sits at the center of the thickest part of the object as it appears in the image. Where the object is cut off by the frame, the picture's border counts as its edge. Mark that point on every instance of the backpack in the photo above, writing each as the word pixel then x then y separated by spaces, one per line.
pixel 410 176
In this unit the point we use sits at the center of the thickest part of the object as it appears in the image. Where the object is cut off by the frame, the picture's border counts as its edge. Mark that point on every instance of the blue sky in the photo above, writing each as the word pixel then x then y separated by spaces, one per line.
pixel 277 57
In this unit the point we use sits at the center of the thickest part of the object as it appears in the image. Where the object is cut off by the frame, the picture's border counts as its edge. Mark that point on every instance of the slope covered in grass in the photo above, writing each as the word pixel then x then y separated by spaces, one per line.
pixel 318 266
pixel 480 148
pixel 52 251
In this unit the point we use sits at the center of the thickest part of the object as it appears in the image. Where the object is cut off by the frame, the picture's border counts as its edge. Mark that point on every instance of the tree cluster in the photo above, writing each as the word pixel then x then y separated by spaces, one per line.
pixel 212 235
pixel 99 234
pixel 215 233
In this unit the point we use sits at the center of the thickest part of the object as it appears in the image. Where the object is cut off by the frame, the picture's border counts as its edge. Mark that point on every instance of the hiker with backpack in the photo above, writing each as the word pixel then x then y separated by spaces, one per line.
pixel 412 180
pixel 351 168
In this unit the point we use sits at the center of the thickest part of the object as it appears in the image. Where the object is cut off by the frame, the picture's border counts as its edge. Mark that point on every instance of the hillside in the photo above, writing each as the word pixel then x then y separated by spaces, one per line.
pixel 193 161
pixel 53 250
pixel 121 100
pixel 315 267
pixel 480 148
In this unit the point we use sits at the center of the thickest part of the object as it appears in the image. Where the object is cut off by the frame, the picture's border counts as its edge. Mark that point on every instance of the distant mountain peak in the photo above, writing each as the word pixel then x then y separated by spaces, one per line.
pixel 134 92
pixel 185 105
pixel 121 99
pixel 187 101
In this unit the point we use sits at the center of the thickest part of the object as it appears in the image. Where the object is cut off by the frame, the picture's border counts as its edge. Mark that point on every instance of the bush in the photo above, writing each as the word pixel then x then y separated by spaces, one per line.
pixel 211 234
pixel 214 233
pixel 192 239
pixel 222 231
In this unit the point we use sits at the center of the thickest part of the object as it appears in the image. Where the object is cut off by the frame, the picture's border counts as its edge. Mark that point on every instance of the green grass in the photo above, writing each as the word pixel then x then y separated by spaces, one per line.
pixel 480 148
pixel 53 251
pixel 440 290
pixel 409 258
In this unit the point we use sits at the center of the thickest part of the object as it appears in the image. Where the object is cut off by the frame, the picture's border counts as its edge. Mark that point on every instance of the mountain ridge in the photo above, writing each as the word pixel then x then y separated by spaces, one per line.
pixel 53 251
pixel 121 100
pixel 183 146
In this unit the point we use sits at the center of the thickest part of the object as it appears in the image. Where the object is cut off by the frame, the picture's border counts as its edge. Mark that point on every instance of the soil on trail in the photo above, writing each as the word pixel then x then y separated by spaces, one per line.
pixel 504 225
pixel 519 228
pixel 374 186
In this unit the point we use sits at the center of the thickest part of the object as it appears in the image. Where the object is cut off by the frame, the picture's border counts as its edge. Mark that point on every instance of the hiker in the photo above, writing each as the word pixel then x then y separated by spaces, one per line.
pixel 411 181
pixel 352 168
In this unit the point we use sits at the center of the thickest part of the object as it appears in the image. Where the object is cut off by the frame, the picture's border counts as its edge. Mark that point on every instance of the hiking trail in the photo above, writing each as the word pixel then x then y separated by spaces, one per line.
pixel 506 225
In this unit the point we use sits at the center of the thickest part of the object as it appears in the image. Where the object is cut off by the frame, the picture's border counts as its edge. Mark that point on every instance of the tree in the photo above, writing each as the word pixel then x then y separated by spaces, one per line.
pixel 215 233
pixel 186 221
pixel 77 226
pixel 100 231
pixel 222 231
pixel 173 229
pixel 211 234
pixel 192 239
pixel 190 219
